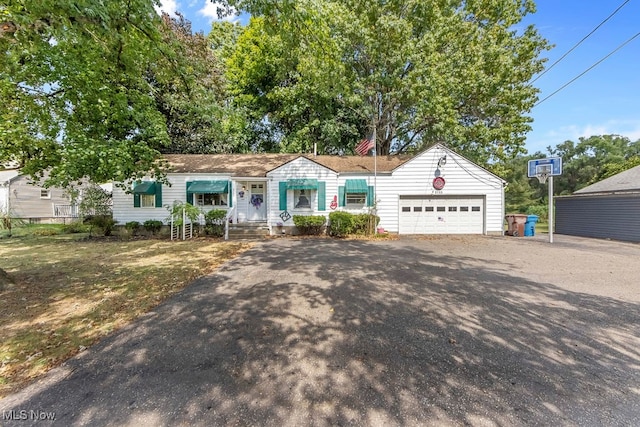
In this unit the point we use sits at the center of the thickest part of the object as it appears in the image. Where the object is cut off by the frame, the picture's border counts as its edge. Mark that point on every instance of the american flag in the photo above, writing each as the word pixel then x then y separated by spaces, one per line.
pixel 365 145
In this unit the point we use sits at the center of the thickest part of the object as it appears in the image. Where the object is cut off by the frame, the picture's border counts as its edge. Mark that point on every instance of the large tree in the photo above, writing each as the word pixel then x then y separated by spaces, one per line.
pixel 416 71
pixel 76 98
pixel 189 90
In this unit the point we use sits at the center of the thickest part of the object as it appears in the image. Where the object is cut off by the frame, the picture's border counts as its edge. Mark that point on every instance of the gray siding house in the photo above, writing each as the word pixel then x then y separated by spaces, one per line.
pixel 609 209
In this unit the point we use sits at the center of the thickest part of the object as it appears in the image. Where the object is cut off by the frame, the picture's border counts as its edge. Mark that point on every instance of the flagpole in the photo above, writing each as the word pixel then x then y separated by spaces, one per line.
pixel 375 178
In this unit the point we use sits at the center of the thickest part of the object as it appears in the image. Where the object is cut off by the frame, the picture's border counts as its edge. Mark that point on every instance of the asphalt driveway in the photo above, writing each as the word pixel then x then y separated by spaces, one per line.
pixel 435 331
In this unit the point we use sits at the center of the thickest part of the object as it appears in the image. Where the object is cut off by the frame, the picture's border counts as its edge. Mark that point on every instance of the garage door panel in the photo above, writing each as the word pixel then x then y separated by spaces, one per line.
pixel 423 215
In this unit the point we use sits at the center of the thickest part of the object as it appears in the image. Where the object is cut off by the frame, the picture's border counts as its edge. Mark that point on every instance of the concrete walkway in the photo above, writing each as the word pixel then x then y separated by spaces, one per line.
pixel 429 331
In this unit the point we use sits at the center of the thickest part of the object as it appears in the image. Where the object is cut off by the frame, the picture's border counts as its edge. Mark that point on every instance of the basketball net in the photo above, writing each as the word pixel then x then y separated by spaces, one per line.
pixel 542 177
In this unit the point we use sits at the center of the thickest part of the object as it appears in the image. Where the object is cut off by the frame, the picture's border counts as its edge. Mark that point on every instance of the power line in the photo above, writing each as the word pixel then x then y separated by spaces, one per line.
pixel 580 42
pixel 587 70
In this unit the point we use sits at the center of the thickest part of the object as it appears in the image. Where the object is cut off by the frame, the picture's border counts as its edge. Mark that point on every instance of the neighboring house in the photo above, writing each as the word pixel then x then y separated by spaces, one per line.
pixel 609 209
pixel 435 192
pixel 21 198
pixel 5 180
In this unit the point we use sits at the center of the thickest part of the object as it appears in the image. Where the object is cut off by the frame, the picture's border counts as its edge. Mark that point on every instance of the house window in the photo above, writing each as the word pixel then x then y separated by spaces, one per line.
pixel 147 200
pixel 356 200
pixel 147 194
pixel 45 194
pixel 302 199
pixel 208 199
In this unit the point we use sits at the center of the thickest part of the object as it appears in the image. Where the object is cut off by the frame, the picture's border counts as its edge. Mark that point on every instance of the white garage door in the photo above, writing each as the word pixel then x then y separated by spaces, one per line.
pixel 441 215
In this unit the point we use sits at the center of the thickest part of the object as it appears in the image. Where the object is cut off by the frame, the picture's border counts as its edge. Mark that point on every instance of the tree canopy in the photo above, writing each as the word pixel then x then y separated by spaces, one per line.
pixel 76 102
pixel 416 71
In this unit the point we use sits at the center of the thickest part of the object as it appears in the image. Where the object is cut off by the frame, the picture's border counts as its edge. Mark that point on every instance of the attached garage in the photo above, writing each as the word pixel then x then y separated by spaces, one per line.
pixel 441 215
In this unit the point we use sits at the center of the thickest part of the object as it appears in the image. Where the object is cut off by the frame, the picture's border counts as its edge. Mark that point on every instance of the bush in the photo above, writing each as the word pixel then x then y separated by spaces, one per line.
pixel 541 210
pixel 214 222
pixel 312 225
pixel 75 227
pixel 45 232
pixel 365 223
pixel 104 222
pixel 341 224
pixel 132 227
pixel 152 226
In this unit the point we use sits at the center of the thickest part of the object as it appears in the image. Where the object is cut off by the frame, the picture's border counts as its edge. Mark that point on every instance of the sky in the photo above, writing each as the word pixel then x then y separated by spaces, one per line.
pixel 605 100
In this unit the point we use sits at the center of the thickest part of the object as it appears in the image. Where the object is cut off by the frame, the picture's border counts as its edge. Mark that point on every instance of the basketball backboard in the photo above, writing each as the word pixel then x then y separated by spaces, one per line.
pixel 551 166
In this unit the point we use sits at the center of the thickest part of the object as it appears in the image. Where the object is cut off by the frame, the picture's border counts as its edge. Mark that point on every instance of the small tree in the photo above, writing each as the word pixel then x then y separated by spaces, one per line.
pixel 177 208
pixel 95 208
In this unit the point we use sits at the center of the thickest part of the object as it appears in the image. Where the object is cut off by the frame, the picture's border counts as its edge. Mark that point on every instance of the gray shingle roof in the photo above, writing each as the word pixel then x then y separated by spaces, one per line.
pixel 257 165
pixel 627 181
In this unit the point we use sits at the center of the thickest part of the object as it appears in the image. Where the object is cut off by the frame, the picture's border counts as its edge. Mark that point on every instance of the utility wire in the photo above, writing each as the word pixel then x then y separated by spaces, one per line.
pixel 580 42
pixel 587 70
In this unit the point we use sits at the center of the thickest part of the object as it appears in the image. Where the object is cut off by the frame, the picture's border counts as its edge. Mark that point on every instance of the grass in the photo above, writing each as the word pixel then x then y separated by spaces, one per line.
pixel 62 293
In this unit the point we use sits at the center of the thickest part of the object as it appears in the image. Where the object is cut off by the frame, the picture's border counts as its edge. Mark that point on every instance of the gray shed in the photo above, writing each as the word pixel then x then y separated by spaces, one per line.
pixel 609 209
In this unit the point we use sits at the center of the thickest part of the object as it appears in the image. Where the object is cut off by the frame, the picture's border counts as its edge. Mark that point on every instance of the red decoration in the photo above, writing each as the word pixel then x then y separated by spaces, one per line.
pixel 438 183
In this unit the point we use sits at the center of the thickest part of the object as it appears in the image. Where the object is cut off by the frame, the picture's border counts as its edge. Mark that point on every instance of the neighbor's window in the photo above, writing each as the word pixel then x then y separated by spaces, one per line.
pixel 208 199
pixel 45 194
pixel 147 200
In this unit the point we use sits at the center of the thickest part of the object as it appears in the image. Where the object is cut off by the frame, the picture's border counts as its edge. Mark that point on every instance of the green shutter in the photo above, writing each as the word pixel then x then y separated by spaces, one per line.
pixel 230 194
pixel 341 195
pixel 370 196
pixel 283 195
pixel 158 195
pixel 136 200
pixel 322 196
pixel 189 194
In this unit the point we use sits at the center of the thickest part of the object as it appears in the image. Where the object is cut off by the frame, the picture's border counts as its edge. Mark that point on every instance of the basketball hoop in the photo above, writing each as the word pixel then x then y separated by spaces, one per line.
pixel 542 177
pixel 543 172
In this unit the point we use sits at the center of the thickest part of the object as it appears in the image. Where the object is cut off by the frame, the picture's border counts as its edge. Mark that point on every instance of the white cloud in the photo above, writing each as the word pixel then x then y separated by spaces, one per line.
pixel 210 11
pixel 168 6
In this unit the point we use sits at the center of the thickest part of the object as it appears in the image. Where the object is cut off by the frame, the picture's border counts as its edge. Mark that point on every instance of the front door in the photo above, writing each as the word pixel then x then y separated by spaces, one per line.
pixel 257 206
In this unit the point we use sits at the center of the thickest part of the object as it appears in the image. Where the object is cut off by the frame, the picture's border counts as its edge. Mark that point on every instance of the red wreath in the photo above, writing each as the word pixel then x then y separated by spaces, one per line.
pixel 438 183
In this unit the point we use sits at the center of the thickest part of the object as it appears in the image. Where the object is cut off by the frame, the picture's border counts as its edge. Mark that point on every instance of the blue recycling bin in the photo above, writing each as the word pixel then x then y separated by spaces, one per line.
pixel 530 225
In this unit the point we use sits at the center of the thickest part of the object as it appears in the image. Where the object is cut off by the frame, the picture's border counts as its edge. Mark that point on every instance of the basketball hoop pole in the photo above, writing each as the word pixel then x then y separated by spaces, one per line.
pixel 550 215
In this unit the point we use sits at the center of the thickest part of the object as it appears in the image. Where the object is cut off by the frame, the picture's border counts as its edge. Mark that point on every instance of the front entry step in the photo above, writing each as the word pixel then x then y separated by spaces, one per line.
pixel 248 231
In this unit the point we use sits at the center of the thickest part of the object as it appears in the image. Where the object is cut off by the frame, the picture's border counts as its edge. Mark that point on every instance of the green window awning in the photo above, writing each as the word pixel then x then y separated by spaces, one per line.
pixel 208 187
pixel 358 186
pixel 147 187
pixel 302 184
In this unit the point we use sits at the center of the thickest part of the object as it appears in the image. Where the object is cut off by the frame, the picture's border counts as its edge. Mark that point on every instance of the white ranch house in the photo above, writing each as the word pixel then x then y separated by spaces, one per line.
pixel 435 192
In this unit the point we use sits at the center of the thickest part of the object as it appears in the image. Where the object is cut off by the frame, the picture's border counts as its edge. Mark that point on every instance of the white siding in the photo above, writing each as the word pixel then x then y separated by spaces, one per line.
pixel 300 168
pixel 123 210
pixel 463 178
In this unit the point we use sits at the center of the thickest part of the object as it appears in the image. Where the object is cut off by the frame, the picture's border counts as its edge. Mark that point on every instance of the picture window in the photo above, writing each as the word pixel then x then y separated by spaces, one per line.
pixel 210 199
pixel 147 201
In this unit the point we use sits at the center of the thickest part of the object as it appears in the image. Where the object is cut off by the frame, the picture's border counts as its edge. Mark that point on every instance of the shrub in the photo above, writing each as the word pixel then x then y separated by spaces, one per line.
pixel 540 210
pixel 365 223
pixel 341 224
pixel 75 227
pixel 312 225
pixel 214 222
pixel 132 227
pixel 104 222
pixel 152 226
pixel 45 232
